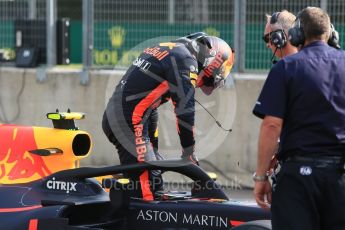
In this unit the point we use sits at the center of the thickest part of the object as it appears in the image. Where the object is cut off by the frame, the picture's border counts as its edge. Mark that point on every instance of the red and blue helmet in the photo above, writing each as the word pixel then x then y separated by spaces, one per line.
pixel 215 58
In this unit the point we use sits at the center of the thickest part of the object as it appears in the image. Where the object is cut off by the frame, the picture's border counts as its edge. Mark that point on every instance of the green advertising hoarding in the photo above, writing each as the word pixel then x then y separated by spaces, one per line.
pixel 7 40
pixel 114 42
pixel 119 44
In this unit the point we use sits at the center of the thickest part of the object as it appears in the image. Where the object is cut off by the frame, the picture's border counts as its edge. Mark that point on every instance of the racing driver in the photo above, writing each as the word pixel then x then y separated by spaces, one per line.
pixel 168 70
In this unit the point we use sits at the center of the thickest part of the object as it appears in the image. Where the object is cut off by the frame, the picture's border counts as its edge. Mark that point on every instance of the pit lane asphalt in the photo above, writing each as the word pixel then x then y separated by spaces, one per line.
pixel 241 195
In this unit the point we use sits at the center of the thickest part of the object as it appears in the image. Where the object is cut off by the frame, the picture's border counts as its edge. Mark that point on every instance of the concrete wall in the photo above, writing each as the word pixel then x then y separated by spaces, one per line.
pixel 24 100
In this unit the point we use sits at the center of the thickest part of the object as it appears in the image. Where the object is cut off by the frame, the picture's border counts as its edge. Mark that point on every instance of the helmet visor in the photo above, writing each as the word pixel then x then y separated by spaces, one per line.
pixel 218 76
pixel 227 66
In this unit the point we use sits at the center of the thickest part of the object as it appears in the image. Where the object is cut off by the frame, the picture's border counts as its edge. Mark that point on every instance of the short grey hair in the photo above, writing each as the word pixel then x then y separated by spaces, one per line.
pixel 285 21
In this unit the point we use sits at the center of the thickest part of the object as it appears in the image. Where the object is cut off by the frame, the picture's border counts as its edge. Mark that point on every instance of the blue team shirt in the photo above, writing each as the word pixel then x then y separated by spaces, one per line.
pixel 307 90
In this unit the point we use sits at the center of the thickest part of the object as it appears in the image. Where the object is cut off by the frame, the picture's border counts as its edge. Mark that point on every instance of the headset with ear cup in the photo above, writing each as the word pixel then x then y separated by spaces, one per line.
pixel 274 17
pixel 333 38
pixel 296 33
pixel 297 37
pixel 277 37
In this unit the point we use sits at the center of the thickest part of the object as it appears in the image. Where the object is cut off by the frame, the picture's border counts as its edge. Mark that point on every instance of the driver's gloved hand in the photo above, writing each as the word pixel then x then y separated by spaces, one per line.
pixel 191 158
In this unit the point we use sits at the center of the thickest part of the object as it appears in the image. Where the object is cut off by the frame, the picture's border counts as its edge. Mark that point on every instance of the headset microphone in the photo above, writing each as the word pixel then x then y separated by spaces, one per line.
pixel 217 122
pixel 273 60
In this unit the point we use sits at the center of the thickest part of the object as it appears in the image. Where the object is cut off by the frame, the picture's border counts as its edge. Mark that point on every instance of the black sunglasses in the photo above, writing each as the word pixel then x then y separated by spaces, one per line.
pixel 266 37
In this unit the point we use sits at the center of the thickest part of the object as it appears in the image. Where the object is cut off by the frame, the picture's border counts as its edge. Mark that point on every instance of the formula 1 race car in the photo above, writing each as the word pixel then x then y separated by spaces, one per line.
pixel 42 187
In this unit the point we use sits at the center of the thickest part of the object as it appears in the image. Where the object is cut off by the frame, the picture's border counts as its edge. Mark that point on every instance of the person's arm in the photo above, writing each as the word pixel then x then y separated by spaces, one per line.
pixel 182 91
pixel 271 106
pixel 268 139
pixel 269 134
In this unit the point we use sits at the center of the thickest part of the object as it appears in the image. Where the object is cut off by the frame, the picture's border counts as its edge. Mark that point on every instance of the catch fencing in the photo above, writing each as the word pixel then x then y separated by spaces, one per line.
pixel 104 33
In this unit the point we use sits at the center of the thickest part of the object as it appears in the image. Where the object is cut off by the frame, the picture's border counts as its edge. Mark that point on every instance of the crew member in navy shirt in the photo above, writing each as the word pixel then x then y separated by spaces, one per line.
pixel 303 103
